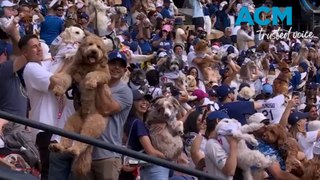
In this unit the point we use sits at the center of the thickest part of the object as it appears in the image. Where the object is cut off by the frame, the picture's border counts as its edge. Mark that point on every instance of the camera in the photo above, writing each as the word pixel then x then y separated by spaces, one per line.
pixel 202 34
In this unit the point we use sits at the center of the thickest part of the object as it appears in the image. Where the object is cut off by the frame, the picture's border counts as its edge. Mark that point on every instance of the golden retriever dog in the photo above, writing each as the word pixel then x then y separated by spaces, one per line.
pixel 88 70
pixel 165 129
pixel 311 170
pixel 191 83
pixel 289 148
pixel 281 83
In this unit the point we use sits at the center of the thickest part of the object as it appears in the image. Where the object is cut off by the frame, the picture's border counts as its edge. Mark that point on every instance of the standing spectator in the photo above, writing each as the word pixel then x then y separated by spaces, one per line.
pixel 8 15
pixel 52 26
pixel 244 35
pixel 226 39
pixel 163 40
pixel 198 15
pixel 43 103
pixel 115 106
pixel 12 94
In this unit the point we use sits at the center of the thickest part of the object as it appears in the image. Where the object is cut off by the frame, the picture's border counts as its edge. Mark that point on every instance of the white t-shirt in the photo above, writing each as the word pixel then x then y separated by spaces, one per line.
pixel 44 105
pixel 215 158
pixel 273 108
pixel 307 142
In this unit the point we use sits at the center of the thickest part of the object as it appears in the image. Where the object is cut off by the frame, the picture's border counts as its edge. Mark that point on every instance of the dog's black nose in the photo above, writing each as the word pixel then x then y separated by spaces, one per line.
pixel 93 52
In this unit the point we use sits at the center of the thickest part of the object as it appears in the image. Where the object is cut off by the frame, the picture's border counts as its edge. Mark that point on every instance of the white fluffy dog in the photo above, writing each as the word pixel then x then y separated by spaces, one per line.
pixel 314 125
pixel 247 158
pixel 67 45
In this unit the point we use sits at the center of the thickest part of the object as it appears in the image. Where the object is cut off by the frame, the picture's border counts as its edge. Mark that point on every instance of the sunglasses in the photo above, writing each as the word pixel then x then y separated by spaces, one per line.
pixel 60 9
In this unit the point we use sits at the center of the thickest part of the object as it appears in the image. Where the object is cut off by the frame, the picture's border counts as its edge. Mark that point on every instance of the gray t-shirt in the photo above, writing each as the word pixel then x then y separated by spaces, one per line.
pixel 13 98
pixel 114 130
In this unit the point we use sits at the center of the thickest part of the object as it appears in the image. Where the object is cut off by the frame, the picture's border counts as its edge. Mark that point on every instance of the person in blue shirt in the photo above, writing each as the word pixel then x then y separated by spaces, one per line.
pixel 296 78
pixel 138 137
pixel 165 12
pixel 52 26
pixel 237 110
pixel 163 41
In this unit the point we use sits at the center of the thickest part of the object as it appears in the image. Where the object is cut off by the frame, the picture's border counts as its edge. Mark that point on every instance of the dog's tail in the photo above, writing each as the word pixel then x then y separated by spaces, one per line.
pixel 82 164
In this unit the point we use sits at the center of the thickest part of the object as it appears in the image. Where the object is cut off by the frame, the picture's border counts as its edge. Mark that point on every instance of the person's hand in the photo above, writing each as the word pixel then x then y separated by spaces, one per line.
pixel 294 101
pixel 232 140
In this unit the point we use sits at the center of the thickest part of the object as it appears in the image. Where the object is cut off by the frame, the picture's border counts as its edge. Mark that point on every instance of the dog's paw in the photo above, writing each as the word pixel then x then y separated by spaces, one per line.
pixel 254 142
pixel 58 90
pixel 56 147
pixel 73 151
pixel 91 84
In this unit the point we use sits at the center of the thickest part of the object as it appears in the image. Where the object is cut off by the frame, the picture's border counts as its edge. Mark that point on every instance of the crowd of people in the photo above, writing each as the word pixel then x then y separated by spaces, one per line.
pixel 215 69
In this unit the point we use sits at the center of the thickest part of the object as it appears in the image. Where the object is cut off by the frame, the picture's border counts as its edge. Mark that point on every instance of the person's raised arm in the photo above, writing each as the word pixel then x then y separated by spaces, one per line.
pixel 291 103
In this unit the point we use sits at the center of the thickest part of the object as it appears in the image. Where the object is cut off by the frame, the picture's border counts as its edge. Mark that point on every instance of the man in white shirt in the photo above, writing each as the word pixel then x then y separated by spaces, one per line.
pixel 244 35
pixel 44 105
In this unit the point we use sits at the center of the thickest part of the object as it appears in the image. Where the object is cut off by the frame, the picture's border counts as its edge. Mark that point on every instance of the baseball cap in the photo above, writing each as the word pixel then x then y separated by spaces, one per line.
pixel 166 28
pixel 223 91
pixel 212 92
pixel 200 94
pixel 267 88
pixel 139 95
pixel 7 4
pixel 117 55
pixel 304 66
pixel 217 115
pixel 296 116
pixel 258 118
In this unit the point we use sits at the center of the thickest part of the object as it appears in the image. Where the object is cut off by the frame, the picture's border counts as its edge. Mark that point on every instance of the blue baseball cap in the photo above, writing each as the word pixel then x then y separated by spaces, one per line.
pixel 139 95
pixel 217 115
pixel 118 56
pixel 267 88
pixel 296 116
pixel 224 90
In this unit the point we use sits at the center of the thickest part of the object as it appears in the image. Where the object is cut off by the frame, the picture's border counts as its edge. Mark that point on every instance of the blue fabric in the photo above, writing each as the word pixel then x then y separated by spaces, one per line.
pixel 166 13
pixel 145 47
pixel 206 11
pixel 127 3
pixel 296 80
pixel 154 172
pixel 223 20
pixel 138 130
pixel 238 110
pixel 269 150
pixel 167 45
pixel 213 9
pixel 51 27
pixel 60 166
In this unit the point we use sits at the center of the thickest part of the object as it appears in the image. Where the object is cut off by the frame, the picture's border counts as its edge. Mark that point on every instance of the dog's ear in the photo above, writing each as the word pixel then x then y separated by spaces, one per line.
pixel 282 134
pixel 175 102
pixel 66 35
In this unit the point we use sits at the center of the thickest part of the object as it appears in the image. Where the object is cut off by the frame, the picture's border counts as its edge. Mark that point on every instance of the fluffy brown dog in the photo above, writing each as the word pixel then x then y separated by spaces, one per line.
pixel 311 170
pixel 288 146
pixel 281 83
pixel 89 69
pixel 165 130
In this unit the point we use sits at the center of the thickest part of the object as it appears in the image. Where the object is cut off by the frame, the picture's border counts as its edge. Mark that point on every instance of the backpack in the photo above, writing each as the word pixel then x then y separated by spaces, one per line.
pixel 18 139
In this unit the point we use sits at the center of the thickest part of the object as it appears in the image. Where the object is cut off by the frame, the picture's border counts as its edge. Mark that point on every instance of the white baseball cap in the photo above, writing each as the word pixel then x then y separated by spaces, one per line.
pixel 7 3
pixel 257 118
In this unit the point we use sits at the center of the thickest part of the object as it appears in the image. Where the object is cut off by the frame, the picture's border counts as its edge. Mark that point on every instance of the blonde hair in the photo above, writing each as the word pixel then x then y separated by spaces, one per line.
pixel 201 46
pixel 294 130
